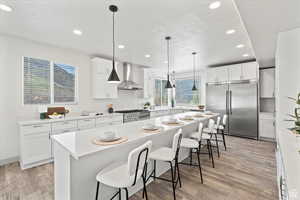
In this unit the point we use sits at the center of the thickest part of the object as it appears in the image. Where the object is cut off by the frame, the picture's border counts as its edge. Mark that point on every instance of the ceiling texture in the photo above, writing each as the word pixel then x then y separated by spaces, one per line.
pixel 141 25
pixel 264 19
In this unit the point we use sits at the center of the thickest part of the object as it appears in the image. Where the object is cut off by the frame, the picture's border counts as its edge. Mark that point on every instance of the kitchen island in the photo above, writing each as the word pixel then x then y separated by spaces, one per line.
pixel 77 160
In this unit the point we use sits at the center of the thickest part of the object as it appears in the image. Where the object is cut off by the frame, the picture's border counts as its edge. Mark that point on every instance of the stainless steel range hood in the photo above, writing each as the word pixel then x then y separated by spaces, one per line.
pixel 128 83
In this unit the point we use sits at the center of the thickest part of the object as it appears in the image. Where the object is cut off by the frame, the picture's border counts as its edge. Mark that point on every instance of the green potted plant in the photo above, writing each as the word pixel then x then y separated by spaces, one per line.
pixel 296 116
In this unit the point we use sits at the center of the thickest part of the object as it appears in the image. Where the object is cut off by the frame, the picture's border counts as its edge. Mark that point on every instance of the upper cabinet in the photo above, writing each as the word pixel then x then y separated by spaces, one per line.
pixel 267 83
pixel 249 70
pixel 218 74
pixel 235 72
pixel 244 71
pixel 101 89
pixel 148 84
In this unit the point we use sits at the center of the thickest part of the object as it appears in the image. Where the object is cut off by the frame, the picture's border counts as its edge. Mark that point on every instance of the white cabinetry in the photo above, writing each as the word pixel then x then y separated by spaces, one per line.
pixel 101 69
pixel 36 146
pixel 249 70
pixel 217 74
pixel 244 71
pixel 235 72
pixel 267 126
pixel 267 83
pixel 149 82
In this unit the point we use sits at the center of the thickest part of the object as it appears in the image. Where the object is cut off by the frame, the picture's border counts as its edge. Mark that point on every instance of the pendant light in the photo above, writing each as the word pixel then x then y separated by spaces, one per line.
pixel 194 62
pixel 168 85
pixel 113 77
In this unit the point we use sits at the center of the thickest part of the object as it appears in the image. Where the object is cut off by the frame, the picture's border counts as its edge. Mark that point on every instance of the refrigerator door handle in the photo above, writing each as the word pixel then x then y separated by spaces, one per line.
pixel 230 97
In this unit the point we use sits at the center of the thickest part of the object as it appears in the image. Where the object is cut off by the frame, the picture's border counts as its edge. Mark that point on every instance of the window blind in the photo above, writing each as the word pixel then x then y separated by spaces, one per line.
pixel 36 81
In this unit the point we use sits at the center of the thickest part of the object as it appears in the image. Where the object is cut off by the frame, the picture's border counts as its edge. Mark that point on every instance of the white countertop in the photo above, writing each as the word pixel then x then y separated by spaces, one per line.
pixel 289 145
pixel 79 143
pixel 67 118
pixel 161 108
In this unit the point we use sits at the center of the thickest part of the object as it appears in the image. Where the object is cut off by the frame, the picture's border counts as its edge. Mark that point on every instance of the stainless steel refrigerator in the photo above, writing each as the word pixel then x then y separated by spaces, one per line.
pixel 239 100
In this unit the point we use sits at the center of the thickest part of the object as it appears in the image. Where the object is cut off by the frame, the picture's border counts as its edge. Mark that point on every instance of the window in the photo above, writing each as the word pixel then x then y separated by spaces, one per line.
pixel 36 81
pixel 64 83
pixel 184 94
pixel 46 82
pixel 161 93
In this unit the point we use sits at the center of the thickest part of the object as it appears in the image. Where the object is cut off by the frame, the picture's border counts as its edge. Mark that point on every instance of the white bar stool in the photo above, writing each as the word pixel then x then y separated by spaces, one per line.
pixel 205 137
pixel 122 176
pixel 221 130
pixel 169 155
pixel 214 131
pixel 194 146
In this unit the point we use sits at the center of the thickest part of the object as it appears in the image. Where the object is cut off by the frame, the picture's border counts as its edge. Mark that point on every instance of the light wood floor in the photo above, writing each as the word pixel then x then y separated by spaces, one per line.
pixel 246 171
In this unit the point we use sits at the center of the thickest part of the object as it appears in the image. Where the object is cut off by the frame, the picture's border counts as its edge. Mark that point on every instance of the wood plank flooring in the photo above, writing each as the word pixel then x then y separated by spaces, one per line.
pixel 246 171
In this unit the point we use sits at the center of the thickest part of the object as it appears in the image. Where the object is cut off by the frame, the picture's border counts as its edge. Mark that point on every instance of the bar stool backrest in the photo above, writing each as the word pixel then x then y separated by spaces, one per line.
pixel 211 124
pixel 176 142
pixel 225 120
pixel 218 121
pixel 137 160
pixel 200 131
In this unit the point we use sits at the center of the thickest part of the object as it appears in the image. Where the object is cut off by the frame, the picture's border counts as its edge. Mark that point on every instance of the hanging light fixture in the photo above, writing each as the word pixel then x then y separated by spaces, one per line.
pixel 194 62
pixel 113 77
pixel 168 85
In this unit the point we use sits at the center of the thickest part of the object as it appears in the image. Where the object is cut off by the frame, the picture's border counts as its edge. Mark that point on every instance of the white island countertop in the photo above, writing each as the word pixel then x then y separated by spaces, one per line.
pixel 79 143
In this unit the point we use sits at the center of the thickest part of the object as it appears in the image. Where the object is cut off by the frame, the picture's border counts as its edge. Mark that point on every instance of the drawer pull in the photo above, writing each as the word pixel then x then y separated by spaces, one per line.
pixel 37 126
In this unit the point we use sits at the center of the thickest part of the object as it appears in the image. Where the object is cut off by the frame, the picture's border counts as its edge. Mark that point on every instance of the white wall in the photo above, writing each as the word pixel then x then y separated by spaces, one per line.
pixel 287 74
pixel 11 51
pixel 288 85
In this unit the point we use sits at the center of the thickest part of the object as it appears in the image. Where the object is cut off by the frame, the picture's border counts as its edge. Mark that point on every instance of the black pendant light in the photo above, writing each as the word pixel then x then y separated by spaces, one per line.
pixel 168 85
pixel 194 62
pixel 113 77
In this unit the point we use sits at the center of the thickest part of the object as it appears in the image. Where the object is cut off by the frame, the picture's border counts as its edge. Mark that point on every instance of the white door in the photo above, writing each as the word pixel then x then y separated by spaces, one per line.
pixel 37 147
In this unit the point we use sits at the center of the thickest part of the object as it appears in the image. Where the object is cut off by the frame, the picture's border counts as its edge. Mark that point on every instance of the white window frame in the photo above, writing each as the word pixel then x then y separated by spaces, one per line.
pixel 76 97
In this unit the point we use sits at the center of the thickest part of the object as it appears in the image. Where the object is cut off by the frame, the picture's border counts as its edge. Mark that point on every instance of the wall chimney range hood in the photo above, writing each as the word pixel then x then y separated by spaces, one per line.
pixel 128 83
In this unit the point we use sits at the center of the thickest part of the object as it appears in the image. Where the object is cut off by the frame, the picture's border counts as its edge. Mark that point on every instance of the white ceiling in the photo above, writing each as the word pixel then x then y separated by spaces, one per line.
pixel 264 19
pixel 141 26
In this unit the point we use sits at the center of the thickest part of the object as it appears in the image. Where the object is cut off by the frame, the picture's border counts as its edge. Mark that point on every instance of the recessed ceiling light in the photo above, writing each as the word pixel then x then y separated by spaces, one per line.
pixel 215 5
pixel 147 55
pixel 239 46
pixel 166 61
pixel 77 32
pixel 121 46
pixel 245 55
pixel 5 8
pixel 230 31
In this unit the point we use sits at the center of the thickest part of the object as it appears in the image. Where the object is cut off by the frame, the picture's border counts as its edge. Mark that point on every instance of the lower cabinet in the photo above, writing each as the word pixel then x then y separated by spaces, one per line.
pixel 35 147
pixel 267 126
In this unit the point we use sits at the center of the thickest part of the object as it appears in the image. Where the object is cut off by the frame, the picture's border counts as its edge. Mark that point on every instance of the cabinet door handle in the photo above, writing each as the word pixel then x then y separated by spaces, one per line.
pixel 37 126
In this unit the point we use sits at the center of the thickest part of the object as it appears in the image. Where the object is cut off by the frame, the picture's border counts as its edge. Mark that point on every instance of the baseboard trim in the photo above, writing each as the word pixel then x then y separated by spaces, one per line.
pixel 9 160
